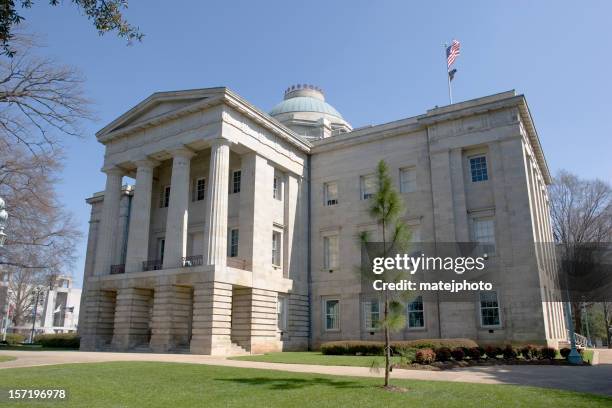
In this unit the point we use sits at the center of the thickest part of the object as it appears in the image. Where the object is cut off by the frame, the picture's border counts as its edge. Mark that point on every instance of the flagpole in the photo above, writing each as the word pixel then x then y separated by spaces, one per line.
pixel 450 90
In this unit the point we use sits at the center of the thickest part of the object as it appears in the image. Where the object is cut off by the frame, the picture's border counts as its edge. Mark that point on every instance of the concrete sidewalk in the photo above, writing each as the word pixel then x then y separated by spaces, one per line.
pixel 596 379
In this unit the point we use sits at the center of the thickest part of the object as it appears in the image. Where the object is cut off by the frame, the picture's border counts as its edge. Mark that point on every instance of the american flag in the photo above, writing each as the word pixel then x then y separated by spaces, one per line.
pixel 452 52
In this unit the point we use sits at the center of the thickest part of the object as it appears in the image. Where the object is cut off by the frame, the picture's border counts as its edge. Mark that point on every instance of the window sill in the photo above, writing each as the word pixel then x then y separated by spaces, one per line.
pixel 500 327
pixel 416 329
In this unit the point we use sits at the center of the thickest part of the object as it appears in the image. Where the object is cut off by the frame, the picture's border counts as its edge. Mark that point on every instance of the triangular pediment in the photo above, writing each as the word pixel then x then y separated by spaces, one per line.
pixel 157 106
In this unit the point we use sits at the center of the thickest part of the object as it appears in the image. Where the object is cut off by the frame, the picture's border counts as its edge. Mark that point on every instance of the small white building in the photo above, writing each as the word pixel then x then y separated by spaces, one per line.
pixel 60 312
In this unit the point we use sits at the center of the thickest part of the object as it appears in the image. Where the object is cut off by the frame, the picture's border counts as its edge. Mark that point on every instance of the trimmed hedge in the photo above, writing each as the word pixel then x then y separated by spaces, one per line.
pixel 373 348
pixel 59 340
pixel 443 354
pixel 14 338
pixel 458 354
pixel 509 352
pixel 548 352
pixel 475 353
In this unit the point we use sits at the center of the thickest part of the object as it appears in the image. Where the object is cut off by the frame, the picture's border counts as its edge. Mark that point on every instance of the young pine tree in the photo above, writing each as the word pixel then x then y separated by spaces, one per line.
pixel 387 208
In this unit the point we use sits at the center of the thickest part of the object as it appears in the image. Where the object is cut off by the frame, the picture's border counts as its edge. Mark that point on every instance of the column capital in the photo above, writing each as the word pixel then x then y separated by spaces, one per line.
pixel 181 151
pixel 220 141
pixel 146 163
pixel 113 170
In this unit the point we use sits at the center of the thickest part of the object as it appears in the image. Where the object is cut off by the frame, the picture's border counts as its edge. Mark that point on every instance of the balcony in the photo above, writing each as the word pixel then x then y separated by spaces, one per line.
pixel 152 265
pixel 117 269
pixel 194 260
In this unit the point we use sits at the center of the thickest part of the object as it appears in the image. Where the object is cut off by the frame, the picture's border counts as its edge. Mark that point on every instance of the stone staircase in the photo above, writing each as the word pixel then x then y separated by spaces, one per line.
pixel 236 350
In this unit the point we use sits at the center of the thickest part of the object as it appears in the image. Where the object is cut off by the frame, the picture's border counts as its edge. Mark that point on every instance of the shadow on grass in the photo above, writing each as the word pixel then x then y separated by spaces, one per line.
pixel 293 383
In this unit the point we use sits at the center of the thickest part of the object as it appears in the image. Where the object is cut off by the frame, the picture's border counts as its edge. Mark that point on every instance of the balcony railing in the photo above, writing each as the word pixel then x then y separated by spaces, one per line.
pixel 194 260
pixel 152 265
pixel 117 269
pixel 239 264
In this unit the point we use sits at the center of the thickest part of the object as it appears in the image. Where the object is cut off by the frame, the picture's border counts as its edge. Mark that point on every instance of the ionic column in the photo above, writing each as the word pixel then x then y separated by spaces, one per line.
pixel 178 208
pixel 140 217
pixel 215 241
pixel 108 223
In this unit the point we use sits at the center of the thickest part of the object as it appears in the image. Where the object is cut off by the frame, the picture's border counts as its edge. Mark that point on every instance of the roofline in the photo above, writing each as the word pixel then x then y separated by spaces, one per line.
pixel 213 97
pixel 223 95
pixel 441 114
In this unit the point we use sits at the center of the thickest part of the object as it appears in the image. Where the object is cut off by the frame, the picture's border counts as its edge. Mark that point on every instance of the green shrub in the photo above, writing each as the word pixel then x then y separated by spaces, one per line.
pixel 509 352
pixel 565 351
pixel 377 348
pixel 435 343
pixel 14 338
pixel 353 348
pixel 407 354
pixel 475 353
pixel 493 351
pixel 59 340
pixel 458 354
pixel 425 356
pixel 443 354
pixel 548 352
pixel 530 352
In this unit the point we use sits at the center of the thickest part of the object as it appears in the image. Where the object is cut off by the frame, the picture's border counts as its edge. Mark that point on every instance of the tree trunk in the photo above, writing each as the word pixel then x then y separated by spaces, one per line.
pixel 387 346
pixel 577 316
pixel 608 323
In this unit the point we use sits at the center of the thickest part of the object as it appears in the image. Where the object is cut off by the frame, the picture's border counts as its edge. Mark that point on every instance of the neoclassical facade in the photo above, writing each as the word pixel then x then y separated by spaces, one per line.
pixel 239 233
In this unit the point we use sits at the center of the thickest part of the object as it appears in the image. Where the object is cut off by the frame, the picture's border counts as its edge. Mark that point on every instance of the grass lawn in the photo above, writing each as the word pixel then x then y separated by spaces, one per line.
pixel 148 384
pixel 316 358
pixel 6 358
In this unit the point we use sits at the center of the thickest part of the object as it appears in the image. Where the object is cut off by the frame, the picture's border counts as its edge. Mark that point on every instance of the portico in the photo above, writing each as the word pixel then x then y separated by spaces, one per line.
pixel 167 277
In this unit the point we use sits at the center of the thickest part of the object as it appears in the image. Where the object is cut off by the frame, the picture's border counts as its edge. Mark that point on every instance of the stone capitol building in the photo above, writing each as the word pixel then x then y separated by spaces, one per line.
pixel 239 233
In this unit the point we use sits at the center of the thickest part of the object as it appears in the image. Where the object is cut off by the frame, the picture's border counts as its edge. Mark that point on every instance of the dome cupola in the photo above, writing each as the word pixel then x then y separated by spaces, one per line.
pixel 305 111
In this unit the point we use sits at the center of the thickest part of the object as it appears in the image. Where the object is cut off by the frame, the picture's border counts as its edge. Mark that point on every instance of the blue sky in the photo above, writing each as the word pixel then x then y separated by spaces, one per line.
pixel 376 61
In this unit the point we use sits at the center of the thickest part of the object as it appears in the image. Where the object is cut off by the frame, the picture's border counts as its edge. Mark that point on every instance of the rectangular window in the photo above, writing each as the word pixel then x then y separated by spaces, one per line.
pixel 236 175
pixel 161 246
pixel 478 168
pixel 371 314
pixel 276 248
pixel 282 313
pixel 276 189
pixel 232 248
pixel 330 252
pixel 199 189
pixel 416 315
pixel 164 197
pixel 332 314
pixel 484 233
pixel 330 193
pixel 408 180
pixel 368 186
pixel 489 309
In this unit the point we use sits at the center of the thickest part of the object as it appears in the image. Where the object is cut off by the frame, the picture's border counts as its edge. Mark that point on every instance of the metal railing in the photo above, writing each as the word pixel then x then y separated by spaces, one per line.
pixel 194 260
pixel 581 340
pixel 152 265
pixel 117 269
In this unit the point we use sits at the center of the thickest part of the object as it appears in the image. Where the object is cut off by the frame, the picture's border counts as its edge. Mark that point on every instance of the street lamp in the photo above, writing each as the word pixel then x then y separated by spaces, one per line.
pixel 3 220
